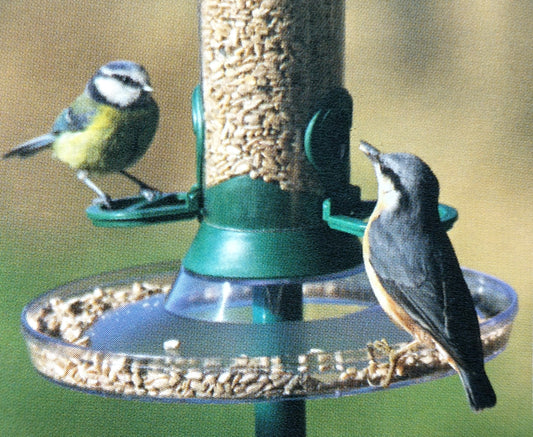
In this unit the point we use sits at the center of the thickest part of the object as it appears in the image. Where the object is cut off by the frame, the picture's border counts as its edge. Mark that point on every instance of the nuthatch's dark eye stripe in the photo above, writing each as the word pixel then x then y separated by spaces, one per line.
pixel 386 171
pixel 404 197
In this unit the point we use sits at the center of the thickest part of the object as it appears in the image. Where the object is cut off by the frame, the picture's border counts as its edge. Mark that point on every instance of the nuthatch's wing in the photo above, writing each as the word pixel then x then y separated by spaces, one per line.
pixel 422 275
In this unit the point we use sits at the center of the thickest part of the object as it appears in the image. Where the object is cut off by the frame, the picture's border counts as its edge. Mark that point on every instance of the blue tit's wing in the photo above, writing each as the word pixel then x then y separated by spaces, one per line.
pixel 421 273
pixel 73 119
pixel 76 117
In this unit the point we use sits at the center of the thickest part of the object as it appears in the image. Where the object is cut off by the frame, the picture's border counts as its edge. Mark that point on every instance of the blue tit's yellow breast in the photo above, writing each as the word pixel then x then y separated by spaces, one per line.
pixel 113 140
pixel 89 148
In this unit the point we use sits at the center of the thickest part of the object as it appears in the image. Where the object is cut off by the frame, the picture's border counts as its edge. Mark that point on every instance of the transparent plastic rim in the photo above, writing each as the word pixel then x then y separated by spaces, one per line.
pixel 170 377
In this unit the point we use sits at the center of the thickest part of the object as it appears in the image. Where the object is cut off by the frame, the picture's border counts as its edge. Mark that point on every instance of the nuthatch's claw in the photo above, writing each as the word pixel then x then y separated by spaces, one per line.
pixel 384 347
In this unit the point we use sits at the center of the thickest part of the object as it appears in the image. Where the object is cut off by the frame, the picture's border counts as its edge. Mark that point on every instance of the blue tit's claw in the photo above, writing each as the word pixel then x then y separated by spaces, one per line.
pixel 150 194
pixel 103 201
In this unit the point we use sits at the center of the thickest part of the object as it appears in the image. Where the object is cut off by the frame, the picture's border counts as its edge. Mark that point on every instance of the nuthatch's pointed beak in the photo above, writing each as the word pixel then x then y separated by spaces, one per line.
pixel 371 152
pixel 147 88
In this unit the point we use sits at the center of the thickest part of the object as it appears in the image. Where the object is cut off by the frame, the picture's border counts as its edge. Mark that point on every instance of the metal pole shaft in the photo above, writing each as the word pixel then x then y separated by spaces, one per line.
pixel 277 304
pixel 266 66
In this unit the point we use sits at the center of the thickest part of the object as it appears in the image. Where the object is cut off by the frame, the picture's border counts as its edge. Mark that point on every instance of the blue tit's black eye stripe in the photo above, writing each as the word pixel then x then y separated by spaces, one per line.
pixel 126 80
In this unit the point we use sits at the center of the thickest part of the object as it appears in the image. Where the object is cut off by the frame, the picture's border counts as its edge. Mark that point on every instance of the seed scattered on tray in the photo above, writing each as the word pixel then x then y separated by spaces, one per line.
pixel 171 376
pixel 172 345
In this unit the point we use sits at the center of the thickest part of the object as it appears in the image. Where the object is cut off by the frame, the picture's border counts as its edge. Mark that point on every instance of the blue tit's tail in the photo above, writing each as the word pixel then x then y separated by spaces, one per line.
pixel 31 147
pixel 478 388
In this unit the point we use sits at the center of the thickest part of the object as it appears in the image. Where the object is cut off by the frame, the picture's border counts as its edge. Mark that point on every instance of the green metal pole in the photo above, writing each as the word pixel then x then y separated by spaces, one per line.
pixel 280 419
pixel 274 304
pixel 267 68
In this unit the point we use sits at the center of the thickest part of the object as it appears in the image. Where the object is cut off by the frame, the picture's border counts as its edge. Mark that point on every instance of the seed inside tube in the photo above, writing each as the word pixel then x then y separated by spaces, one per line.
pixel 253 55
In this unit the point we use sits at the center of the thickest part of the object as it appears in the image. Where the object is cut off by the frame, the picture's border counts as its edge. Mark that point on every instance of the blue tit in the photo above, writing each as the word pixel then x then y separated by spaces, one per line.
pixel 107 129
pixel 415 274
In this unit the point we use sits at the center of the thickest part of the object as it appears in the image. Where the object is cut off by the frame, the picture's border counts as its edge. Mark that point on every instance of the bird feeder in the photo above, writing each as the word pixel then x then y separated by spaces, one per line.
pixel 271 303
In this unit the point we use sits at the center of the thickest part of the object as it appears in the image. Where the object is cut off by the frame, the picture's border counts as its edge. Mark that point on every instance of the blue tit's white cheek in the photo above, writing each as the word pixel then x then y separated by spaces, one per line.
pixel 116 92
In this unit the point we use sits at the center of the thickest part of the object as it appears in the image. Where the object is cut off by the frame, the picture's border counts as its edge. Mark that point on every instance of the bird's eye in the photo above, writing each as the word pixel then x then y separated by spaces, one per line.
pixel 126 80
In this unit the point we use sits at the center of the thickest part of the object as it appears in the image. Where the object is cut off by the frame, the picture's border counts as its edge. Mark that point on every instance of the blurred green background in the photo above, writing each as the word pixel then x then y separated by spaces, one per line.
pixel 449 81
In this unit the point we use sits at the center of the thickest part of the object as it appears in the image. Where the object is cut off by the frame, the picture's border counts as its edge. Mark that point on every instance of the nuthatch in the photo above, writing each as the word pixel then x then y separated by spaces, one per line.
pixel 106 129
pixel 414 272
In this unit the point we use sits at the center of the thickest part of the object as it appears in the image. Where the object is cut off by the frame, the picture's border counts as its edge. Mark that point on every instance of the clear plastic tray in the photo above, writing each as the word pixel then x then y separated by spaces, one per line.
pixel 156 355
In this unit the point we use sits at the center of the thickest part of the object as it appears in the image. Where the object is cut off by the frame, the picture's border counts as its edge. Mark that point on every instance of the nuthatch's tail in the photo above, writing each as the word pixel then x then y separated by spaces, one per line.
pixel 478 388
pixel 31 147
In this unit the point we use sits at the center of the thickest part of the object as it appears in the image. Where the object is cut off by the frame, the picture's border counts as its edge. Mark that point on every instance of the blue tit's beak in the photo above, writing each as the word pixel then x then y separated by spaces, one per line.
pixel 371 152
pixel 148 88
